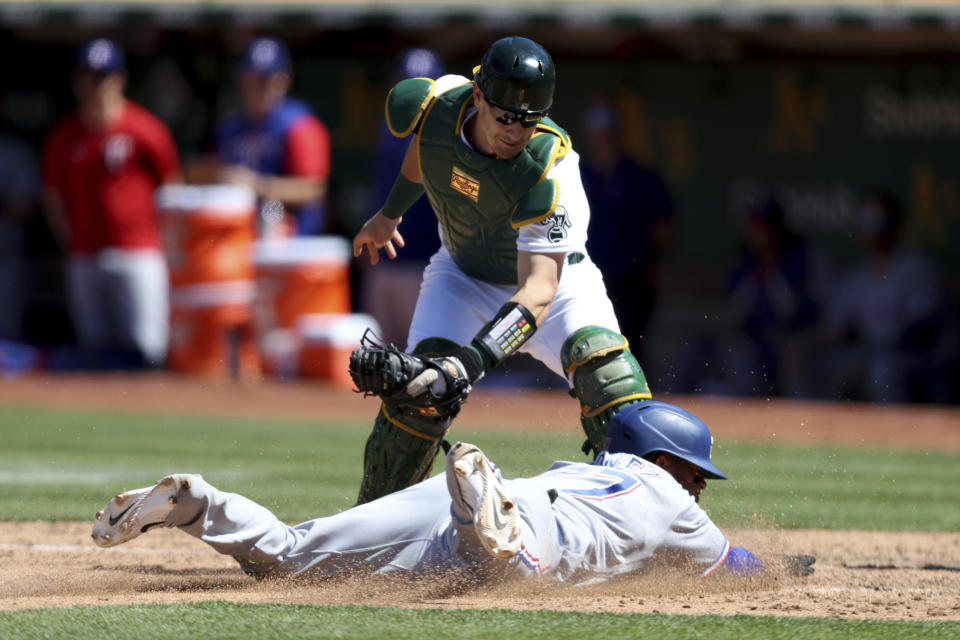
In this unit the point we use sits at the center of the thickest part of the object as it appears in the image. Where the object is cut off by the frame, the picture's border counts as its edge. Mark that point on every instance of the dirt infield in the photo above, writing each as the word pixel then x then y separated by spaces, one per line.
pixel 861 574
pixel 55 564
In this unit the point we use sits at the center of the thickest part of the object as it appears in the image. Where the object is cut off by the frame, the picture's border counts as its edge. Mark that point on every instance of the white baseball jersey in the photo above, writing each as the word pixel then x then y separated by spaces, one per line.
pixel 608 518
pixel 613 517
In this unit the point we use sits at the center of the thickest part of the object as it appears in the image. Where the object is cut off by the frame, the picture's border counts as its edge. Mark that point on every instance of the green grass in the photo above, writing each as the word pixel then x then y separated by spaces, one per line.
pixel 836 488
pixel 57 465
pixel 213 620
pixel 64 466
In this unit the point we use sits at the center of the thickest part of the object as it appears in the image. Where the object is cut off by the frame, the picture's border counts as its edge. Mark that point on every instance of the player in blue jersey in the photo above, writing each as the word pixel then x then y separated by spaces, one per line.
pixel 274 143
pixel 576 522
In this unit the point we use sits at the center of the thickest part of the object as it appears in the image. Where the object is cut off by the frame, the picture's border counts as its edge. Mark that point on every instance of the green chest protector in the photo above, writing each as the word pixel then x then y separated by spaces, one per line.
pixel 480 201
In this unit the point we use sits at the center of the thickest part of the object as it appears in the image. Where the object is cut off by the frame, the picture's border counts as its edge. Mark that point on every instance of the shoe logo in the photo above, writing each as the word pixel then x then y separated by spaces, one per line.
pixel 115 519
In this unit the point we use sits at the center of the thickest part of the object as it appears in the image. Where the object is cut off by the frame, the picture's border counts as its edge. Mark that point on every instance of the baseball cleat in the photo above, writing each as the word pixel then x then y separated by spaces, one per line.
pixel 476 490
pixel 134 512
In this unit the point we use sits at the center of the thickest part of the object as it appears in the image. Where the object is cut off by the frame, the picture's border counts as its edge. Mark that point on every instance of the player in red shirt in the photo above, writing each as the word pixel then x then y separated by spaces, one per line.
pixel 101 166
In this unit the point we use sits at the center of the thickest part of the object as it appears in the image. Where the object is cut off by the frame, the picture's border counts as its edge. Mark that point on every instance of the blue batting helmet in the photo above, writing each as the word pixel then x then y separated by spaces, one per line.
pixel 645 427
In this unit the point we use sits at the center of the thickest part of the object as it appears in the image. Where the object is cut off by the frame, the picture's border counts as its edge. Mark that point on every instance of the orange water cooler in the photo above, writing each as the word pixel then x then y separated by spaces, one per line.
pixel 209 234
pixel 326 341
pixel 296 277
pixel 210 330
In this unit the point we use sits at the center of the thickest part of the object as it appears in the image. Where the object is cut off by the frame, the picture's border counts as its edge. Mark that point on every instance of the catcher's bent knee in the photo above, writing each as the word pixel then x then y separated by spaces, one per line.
pixel 605 376
pixel 399 452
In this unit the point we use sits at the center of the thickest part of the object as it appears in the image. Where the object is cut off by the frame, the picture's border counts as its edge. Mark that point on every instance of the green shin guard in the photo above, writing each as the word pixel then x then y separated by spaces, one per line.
pixel 399 452
pixel 605 377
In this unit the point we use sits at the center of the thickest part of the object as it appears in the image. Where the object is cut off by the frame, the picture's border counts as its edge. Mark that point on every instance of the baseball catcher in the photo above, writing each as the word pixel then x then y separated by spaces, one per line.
pixel 512 273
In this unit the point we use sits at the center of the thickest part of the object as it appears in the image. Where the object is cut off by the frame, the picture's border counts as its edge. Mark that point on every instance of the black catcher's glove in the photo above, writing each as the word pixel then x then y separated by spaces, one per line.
pixel 432 386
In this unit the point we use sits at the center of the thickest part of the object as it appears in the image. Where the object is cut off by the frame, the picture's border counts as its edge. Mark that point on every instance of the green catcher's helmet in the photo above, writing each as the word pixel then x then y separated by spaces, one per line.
pixel 517 75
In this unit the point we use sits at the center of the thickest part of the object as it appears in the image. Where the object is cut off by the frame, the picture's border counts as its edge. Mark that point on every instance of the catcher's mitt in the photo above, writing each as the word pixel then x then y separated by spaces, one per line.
pixel 431 386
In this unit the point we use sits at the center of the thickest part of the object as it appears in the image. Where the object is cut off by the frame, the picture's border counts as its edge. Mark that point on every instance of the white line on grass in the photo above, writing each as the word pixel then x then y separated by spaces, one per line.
pixel 33 474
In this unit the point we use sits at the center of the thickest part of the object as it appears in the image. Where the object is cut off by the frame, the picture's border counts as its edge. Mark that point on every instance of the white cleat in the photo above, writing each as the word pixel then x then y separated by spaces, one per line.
pixel 134 512
pixel 475 487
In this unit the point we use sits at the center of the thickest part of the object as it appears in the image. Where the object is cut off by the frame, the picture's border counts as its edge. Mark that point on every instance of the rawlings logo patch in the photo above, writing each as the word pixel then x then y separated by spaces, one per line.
pixel 466 185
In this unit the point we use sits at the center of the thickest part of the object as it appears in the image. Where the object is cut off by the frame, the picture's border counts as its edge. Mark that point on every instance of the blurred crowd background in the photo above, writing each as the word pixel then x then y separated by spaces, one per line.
pixel 774 186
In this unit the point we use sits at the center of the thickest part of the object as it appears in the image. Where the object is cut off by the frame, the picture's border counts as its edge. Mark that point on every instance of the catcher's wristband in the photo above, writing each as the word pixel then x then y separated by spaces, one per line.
pixel 510 328
pixel 403 194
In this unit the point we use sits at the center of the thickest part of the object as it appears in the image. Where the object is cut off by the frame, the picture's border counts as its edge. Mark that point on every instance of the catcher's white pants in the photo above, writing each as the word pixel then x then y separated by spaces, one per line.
pixel 454 306
pixel 412 530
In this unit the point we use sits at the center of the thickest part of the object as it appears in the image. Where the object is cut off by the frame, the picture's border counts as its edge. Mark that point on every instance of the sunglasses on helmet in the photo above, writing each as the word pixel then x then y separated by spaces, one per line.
pixel 508 117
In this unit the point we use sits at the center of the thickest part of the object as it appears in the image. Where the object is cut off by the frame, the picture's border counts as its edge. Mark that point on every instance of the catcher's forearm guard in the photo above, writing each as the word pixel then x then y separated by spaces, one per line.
pixel 510 328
